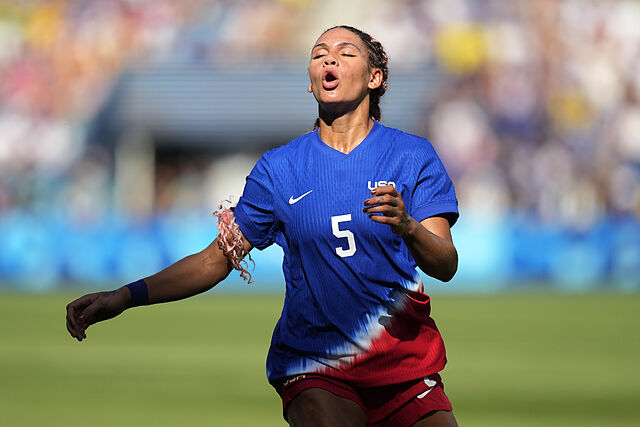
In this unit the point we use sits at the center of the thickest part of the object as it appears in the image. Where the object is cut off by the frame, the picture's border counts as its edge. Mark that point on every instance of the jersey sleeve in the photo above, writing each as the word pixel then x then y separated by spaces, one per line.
pixel 254 212
pixel 434 193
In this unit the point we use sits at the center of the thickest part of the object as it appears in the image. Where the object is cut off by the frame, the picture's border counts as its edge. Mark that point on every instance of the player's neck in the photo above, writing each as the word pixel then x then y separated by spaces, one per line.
pixel 345 132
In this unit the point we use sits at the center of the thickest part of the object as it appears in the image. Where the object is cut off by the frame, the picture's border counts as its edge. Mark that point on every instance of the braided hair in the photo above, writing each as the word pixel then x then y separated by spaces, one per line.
pixel 377 59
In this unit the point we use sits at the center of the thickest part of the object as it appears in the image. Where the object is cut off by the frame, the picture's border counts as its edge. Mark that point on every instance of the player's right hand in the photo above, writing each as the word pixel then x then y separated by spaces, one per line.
pixel 93 308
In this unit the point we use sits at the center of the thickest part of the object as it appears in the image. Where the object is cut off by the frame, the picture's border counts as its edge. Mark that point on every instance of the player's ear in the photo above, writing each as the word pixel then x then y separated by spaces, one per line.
pixel 309 88
pixel 376 79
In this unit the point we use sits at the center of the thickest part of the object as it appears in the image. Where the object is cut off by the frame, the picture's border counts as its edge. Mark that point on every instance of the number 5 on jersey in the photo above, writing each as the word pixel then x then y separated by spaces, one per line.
pixel 351 241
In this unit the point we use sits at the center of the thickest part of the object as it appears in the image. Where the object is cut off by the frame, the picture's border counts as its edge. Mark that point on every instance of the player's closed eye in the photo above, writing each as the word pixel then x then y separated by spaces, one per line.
pixel 318 54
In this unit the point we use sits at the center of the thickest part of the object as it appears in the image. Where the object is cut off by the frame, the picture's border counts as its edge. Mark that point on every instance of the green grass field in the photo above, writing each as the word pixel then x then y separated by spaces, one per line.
pixel 514 360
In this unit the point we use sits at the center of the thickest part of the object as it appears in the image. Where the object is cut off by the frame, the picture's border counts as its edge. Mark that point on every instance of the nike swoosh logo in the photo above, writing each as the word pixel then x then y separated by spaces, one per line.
pixel 297 199
pixel 430 383
pixel 422 395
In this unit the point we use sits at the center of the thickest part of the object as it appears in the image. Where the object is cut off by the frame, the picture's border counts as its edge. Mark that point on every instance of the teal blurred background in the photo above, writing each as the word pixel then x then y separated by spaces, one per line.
pixel 124 123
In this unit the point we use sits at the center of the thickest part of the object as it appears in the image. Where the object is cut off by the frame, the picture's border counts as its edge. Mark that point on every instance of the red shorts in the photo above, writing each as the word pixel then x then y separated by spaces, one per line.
pixel 395 405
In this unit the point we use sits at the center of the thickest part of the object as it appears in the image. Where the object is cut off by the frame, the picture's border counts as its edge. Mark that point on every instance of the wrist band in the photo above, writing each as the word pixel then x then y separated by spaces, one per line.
pixel 139 293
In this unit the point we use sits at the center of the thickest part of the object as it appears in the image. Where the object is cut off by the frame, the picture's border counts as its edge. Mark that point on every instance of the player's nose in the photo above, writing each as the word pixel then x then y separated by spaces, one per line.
pixel 330 60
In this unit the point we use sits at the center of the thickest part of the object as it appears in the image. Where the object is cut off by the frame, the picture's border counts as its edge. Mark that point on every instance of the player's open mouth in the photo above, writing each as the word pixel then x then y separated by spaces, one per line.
pixel 329 80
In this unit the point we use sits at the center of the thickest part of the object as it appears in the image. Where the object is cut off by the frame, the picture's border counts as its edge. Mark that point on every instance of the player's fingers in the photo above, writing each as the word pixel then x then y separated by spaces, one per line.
pixel 80 303
pixel 380 200
pixel 75 307
pixel 74 332
pixel 385 189
pixel 389 191
pixel 397 197
pixel 380 218
pixel 385 210
pixel 389 200
pixel 88 315
pixel 70 328
pixel 71 319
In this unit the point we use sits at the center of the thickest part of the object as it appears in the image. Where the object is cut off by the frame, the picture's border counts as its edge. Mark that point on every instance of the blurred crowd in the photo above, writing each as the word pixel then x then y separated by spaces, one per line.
pixel 540 111
pixel 58 60
pixel 537 106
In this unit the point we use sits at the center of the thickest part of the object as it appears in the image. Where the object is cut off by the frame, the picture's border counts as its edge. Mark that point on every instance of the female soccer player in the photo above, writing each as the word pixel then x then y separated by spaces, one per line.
pixel 355 206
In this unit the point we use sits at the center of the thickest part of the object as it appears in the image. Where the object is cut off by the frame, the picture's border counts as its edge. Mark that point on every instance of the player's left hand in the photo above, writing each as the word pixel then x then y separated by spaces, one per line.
pixel 388 202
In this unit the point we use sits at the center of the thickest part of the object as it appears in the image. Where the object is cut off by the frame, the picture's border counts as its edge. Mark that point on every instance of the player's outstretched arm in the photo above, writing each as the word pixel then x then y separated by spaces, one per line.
pixel 189 276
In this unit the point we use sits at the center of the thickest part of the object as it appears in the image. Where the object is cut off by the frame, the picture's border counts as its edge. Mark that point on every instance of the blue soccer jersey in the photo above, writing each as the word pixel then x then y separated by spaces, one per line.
pixel 342 270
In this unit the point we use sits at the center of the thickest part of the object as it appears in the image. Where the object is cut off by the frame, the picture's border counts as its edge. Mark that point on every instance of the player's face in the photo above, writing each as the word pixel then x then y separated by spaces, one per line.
pixel 339 69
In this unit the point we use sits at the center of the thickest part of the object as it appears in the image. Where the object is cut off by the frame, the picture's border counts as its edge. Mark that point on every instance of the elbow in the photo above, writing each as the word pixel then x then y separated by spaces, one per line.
pixel 214 268
pixel 447 275
pixel 450 266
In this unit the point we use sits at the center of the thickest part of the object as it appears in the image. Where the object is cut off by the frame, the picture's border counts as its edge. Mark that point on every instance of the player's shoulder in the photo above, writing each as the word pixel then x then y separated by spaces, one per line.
pixel 286 151
pixel 407 142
